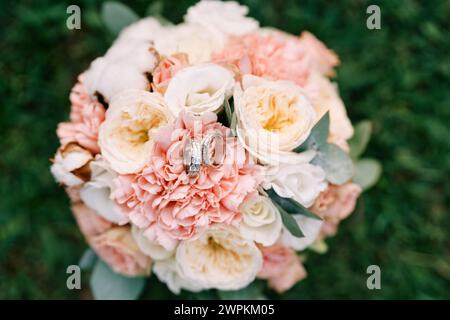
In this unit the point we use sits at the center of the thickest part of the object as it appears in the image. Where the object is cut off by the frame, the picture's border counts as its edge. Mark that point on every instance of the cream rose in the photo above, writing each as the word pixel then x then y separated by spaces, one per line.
pixel 192 39
pixel 261 220
pixel 228 18
pixel 96 193
pixel 302 182
pixel 325 97
pixel 310 228
pixel 70 165
pixel 149 247
pixel 166 271
pixel 220 258
pixel 125 135
pixel 274 117
pixel 199 89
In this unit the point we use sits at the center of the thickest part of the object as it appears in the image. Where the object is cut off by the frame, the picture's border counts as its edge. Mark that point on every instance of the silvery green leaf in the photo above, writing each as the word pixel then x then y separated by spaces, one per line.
pixel 338 165
pixel 289 222
pixel 290 205
pixel 252 292
pixel 360 139
pixel 108 285
pixel 318 136
pixel 88 259
pixel 117 16
pixel 155 10
pixel 367 173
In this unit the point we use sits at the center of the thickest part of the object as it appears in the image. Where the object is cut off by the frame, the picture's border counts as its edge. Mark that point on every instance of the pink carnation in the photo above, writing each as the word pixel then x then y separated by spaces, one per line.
pixel 172 206
pixel 166 69
pixel 278 56
pixel 281 266
pixel 335 204
pixel 86 115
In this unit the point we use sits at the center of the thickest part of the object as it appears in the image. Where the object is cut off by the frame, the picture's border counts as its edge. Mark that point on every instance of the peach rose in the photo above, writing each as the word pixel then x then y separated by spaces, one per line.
pixel 335 204
pixel 118 249
pixel 281 267
pixel 91 224
pixel 166 69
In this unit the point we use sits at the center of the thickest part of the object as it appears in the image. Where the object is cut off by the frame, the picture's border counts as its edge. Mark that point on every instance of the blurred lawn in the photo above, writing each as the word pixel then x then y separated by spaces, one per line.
pixel 397 76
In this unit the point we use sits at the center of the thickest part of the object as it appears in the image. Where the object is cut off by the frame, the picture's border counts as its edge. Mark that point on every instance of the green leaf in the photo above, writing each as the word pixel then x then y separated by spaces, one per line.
pixel 367 173
pixel 230 116
pixel 318 136
pixel 108 285
pixel 360 139
pixel 290 205
pixel 338 166
pixel 88 259
pixel 117 16
pixel 253 292
pixel 289 222
pixel 155 10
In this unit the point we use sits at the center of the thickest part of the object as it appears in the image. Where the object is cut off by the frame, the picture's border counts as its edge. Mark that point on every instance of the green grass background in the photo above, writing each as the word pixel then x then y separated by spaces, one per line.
pixel 397 76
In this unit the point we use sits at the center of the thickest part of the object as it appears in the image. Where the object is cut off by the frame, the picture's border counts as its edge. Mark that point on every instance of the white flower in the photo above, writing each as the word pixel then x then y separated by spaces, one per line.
pixel 123 67
pixel 225 17
pixel 302 182
pixel 192 39
pixel 166 271
pixel 220 258
pixel 125 135
pixel 325 97
pixel 149 247
pixel 144 30
pixel 274 117
pixel 199 89
pixel 96 193
pixel 70 165
pixel 261 220
pixel 310 228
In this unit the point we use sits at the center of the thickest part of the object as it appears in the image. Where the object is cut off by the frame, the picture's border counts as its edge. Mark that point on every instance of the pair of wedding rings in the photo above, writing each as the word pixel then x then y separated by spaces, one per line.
pixel 208 151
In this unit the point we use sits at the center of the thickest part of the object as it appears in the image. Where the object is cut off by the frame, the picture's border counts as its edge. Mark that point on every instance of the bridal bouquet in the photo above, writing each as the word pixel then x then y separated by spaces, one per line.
pixel 210 153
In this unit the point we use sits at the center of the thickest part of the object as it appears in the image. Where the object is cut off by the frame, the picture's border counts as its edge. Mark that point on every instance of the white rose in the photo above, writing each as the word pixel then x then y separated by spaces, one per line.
pixel 144 30
pixel 261 220
pixel 166 271
pixel 228 17
pixel 70 165
pixel 310 228
pixel 194 40
pixel 274 117
pixel 325 97
pixel 220 258
pixel 96 193
pixel 199 89
pixel 125 135
pixel 123 67
pixel 149 247
pixel 302 182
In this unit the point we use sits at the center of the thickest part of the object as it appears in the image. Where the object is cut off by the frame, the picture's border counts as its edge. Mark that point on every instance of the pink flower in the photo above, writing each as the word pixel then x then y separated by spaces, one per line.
pixel 172 206
pixel 278 56
pixel 335 204
pixel 86 115
pixel 166 69
pixel 281 267
pixel 91 224
pixel 118 249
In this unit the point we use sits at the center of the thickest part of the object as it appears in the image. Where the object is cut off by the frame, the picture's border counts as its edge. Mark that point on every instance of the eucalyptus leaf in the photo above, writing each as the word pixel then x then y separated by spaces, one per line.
pixel 360 139
pixel 88 259
pixel 367 173
pixel 108 285
pixel 337 164
pixel 117 16
pixel 318 136
pixel 254 291
pixel 290 205
pixel 289 222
